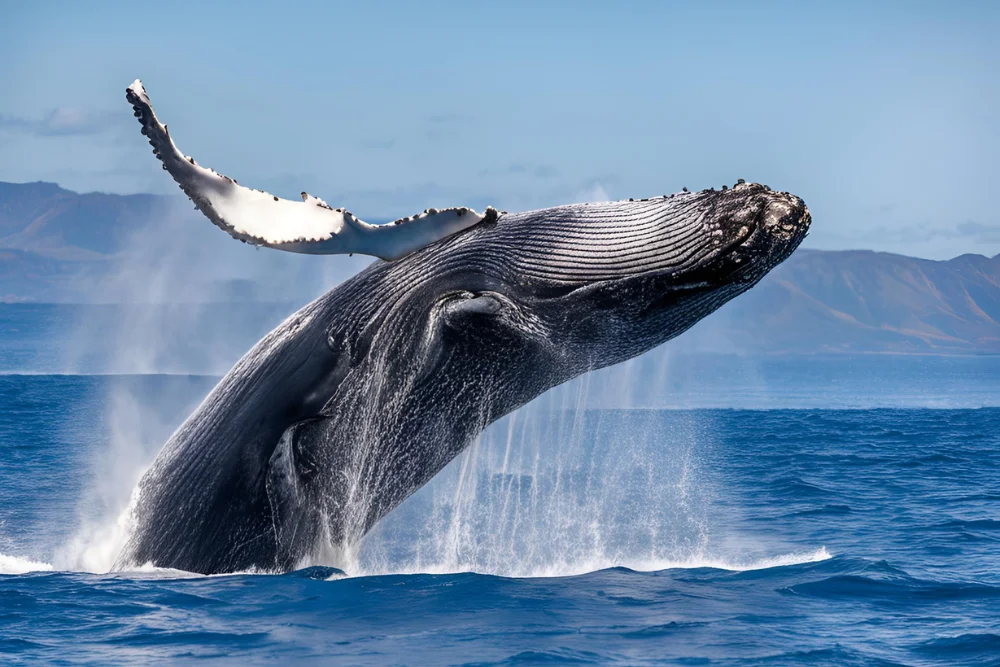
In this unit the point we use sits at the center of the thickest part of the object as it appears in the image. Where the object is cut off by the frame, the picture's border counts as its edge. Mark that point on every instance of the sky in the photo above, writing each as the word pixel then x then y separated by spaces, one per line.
pixel 882 116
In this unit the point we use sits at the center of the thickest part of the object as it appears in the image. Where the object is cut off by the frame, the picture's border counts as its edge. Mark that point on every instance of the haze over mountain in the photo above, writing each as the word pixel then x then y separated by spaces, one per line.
pixel 60 246
pixel 51 238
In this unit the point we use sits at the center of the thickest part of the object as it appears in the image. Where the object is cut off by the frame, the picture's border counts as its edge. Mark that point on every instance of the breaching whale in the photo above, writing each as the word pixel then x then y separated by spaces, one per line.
pixel 362 396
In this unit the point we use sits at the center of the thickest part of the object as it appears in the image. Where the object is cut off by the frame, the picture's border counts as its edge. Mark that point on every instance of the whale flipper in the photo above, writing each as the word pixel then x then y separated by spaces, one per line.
pixel 310 226
pixel 295 516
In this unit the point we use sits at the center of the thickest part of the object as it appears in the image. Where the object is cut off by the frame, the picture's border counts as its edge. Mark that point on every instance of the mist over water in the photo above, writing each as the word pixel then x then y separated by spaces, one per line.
pixel 172 306
pixel 554 489
pixel 183 297
pixel 136 426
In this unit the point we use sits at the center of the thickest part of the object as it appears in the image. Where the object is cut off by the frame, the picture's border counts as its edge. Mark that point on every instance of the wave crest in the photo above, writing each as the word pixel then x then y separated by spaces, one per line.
pixel 19 565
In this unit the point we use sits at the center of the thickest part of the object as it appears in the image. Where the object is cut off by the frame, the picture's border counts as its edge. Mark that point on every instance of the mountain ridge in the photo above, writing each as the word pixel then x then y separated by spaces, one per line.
pixel 56 245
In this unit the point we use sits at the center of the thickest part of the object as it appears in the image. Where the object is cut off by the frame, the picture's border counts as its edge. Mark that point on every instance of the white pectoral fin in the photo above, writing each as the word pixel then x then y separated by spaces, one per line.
pixel 310 226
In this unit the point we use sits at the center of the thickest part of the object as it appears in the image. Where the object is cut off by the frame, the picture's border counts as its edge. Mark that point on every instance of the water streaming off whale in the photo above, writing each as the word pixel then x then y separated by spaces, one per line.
pixel 557 489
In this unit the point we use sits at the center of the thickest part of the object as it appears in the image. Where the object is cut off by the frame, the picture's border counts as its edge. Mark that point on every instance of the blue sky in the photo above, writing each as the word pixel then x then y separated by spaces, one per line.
pixel 882 116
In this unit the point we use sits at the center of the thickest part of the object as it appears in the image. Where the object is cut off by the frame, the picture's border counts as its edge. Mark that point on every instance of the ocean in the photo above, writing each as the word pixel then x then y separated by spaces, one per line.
pixel 827 510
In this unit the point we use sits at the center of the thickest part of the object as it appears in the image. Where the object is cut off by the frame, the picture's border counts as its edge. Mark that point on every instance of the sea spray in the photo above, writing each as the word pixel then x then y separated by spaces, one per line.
pixel 557 489
pixel 139 413
pixel 166 308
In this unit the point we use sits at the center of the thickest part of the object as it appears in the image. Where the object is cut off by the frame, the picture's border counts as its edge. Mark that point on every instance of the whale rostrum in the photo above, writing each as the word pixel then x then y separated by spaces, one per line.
pixel 362 396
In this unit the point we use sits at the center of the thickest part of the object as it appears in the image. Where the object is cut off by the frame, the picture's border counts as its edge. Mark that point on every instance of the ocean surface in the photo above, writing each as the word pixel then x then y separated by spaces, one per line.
pixel 730 511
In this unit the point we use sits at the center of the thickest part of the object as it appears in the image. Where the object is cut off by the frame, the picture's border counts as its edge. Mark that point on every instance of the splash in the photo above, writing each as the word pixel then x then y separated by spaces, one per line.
pixel 97 542
pixel 160 314
pixel 559 489
pixel 17 565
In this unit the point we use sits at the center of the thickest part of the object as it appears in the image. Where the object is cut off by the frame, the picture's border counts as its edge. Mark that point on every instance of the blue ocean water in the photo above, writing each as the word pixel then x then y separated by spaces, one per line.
pixel 678 509
pixel 798 534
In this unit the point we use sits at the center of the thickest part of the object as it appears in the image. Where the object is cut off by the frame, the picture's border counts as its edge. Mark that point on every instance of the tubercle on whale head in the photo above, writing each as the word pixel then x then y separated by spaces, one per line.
pixel 781 224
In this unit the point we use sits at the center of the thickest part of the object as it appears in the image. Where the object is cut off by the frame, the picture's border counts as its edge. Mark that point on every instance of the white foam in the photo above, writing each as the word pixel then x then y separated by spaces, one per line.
pixel 150 571
pixel 735 565
pixel 18 565
pixel 97 542
pixel 598 563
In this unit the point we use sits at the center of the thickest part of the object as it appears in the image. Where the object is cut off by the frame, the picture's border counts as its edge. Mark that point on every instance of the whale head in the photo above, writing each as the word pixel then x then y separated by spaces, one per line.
pixel 362 396
pixel 608 281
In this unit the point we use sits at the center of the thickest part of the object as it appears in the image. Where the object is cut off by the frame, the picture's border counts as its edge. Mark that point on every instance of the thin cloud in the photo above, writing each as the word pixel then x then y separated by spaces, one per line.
pixel 448 118
pixel 978 232
pixel 63 122
pixel 377 144
pixel 445 126
pixel 539 171
pixel 924 232
pixel 546 171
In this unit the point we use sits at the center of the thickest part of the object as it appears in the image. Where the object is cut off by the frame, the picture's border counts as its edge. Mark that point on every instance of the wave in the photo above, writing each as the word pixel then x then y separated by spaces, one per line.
pixel 903 589
pixel 20 565
pixel 971 524
pixel 971 644
pixel 603 563
pixel 834 510
pixel 690 563
pixel 11 565
pixel 838 655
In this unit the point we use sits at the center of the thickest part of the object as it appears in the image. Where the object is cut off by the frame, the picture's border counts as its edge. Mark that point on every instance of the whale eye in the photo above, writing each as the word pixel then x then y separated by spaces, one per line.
pixel 459 319
pixel 467 312
pixel 486 317
pixel 471 306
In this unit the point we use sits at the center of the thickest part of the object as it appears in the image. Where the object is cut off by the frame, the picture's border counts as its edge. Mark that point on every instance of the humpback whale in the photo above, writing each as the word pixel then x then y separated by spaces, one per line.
pixel 362 396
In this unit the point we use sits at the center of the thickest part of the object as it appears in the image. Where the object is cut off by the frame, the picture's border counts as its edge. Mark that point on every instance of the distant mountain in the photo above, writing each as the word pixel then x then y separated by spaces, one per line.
pixel 50 238
pixel 57 246
pixel 28 276
pixel 863 301
pixel 46 220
